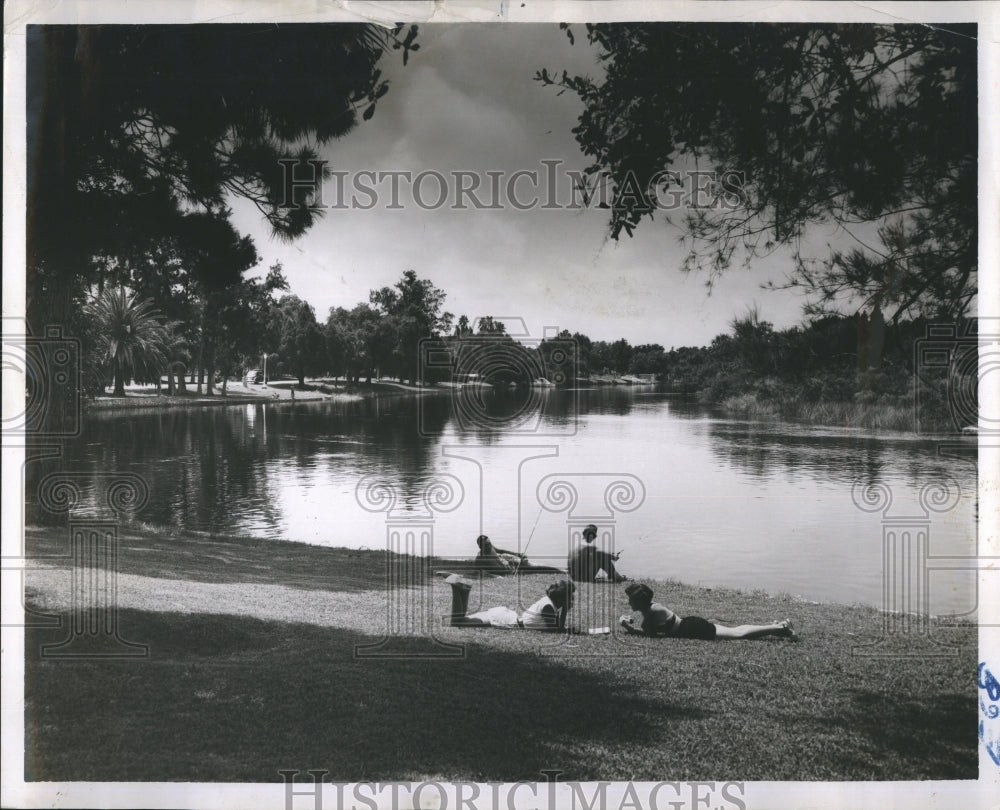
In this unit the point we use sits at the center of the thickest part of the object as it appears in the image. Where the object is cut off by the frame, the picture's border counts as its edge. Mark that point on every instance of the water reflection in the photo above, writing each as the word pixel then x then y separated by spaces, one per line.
pixel 843 457
pixel 728 502
pixel 209 465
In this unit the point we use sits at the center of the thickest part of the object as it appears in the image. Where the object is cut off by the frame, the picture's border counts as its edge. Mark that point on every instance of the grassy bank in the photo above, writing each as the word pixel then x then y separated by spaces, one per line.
pixel 255 664
pixel 896 413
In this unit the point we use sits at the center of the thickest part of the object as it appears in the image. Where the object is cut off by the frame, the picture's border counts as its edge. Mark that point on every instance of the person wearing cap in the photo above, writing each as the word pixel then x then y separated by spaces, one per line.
pixel 548 613
pixel 660 621
pixel 586 560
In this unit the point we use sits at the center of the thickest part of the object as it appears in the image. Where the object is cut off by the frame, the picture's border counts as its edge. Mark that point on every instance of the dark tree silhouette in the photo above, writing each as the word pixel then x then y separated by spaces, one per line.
pixel 300 340
pixel 851 124
pixel 358 341
pixel 131 129
pixel 132 337
pixel 414 307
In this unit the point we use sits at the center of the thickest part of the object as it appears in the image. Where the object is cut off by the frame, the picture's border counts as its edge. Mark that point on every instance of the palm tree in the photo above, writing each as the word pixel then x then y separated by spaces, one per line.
pixel 132 337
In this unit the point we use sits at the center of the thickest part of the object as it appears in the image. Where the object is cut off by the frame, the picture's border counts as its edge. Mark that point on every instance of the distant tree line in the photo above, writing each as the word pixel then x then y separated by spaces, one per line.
pixel 403 332
pixel 139 137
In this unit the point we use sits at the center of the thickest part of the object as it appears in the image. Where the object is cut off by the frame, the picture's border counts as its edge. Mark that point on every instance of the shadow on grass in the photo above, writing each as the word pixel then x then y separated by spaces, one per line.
pixel 926 737
pixel 223 698
pixel 166 554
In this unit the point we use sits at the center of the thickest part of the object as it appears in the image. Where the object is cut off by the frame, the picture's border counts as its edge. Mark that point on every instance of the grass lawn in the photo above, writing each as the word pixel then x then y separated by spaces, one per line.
pixel 252 668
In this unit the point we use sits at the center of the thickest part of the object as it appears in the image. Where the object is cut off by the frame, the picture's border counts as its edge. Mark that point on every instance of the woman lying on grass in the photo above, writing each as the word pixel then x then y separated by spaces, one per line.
pixel 658 620
pixel 548 613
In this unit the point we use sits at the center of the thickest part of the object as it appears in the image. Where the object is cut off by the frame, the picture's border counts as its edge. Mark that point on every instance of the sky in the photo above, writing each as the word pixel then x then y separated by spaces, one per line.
pixel 467 102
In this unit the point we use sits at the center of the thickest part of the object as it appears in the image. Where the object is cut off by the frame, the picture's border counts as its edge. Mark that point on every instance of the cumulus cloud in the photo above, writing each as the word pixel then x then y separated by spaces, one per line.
pixel 467 102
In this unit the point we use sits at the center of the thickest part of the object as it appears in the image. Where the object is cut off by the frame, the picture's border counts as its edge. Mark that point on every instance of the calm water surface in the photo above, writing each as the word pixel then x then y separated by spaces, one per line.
pixel 713 501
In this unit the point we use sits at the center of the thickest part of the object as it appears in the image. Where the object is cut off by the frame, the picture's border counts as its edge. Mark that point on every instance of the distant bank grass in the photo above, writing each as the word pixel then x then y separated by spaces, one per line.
pixel 896 413
pixel 224 697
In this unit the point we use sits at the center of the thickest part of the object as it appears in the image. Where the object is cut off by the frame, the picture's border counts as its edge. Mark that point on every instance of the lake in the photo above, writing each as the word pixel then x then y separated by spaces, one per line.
pixel 682 492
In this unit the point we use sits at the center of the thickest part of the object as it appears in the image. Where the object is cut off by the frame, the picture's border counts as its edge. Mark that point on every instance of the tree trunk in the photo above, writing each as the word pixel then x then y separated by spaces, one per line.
pixel 877 344
pixel 119 380
pixel 201 360
pixel 864 341
pixel 210 370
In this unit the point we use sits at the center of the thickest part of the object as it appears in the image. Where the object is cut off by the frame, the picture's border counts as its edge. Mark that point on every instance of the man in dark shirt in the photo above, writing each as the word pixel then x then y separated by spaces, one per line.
pixel 586 560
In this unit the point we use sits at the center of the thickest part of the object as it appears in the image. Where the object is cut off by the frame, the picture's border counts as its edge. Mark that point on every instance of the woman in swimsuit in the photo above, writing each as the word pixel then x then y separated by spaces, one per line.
pixel 658 620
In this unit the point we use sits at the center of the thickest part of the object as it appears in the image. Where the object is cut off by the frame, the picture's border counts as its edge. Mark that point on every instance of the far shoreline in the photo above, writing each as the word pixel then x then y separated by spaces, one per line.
pixel 881 418
pixel 147 397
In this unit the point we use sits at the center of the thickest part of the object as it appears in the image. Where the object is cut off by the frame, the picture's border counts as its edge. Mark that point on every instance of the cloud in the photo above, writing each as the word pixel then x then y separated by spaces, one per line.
pixel 467 102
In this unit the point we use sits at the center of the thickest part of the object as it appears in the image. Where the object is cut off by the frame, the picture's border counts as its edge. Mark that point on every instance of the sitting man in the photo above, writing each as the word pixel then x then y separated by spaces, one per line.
pixel 548 613
pixel 658 620
pixel 587 560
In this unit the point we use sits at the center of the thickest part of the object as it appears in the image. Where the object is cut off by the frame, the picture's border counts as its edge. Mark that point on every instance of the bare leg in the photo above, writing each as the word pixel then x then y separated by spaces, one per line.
pixel 460 604
pixel 468 621
pixel 782 628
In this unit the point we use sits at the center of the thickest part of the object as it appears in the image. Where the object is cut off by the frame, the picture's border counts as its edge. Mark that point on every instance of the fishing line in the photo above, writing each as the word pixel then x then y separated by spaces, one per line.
pixel 525 552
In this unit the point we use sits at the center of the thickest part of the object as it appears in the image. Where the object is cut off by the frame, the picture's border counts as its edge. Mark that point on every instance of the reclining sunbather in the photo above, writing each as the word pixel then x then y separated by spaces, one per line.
pixel 658 620
pixel 494 560
pixel 548 613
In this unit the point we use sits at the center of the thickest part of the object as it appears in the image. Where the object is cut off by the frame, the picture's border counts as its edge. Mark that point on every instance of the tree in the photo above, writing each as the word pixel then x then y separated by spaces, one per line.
pixel 132 338
pixel 188 274
pixel 910 274
pixel 621 353
pixel 237 331
pixel 864 126
pixel 647 359
pixel 177 355
pixel 358 341
pixel 584 348
pixel 137 127
pixel 753 341
pixel 300 341
pixel 414 307
pixel 490 326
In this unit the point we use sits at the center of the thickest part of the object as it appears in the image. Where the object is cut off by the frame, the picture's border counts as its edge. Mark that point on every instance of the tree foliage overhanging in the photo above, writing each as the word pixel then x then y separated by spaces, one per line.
pixel 139 134
pixel 865 126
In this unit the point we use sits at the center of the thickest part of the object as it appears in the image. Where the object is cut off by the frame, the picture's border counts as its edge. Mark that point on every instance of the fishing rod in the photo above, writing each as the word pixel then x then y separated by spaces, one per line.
pixel 525 552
